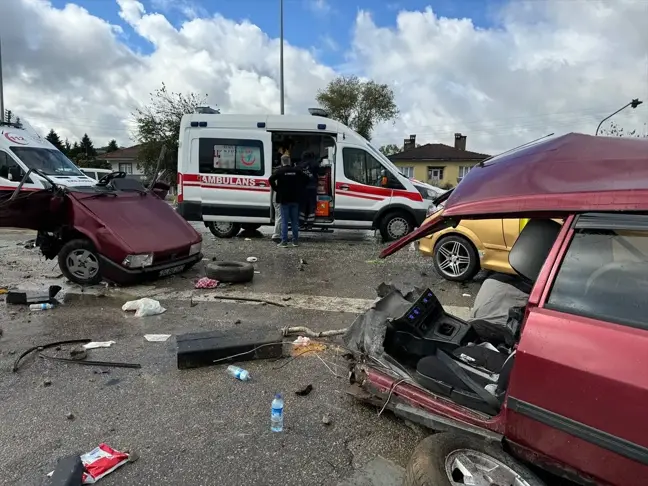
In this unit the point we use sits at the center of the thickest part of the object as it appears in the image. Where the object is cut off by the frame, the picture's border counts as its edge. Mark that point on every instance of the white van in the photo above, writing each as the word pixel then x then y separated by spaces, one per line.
pixel 22 149
pixel 225 161
pixel 95 174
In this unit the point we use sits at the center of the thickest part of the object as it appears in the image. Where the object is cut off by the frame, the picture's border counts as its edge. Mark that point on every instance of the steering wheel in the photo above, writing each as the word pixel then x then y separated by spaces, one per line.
pixel 105 180
pixel 599 272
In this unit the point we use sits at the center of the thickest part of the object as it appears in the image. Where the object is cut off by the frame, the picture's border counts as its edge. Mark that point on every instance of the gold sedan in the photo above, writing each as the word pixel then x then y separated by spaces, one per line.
pixel 459 253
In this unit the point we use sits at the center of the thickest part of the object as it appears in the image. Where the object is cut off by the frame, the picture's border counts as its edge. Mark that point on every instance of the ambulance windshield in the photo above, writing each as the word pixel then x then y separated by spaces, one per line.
pixel 49 161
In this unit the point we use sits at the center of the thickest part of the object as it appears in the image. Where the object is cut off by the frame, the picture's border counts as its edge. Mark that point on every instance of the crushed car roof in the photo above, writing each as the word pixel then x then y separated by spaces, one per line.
pixel 572 173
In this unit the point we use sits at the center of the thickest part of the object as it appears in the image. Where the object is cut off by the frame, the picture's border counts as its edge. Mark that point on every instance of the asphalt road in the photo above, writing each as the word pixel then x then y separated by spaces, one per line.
pixel 201 426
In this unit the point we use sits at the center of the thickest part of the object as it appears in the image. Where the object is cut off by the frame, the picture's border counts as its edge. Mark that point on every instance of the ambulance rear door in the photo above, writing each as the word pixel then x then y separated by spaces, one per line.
pixel 233 171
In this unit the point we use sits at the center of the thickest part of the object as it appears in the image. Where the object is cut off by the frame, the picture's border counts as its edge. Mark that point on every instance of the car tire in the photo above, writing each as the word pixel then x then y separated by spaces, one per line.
pixel 436 459
pixel 230 272
pixel 250 227
pixel 223 229
pixel 395 225
pixel 79 262
pixel 456 246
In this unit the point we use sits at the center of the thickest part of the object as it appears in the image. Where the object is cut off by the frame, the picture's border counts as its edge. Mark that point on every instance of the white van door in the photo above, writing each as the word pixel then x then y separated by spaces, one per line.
pixel 233 168
pixel 11 174
pixel 359 194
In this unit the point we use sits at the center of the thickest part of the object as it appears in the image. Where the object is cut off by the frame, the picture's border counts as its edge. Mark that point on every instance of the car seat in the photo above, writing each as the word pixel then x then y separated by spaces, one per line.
pixel 476 375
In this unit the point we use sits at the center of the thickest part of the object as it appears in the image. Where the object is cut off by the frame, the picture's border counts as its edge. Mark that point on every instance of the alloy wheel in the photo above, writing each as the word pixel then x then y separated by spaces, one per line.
pixel 83 264
pixel 468 467
pixel 397 228
pixel 453 258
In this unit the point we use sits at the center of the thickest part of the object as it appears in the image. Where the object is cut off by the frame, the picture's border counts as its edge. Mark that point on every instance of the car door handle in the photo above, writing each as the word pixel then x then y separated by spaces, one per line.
pixel 344 187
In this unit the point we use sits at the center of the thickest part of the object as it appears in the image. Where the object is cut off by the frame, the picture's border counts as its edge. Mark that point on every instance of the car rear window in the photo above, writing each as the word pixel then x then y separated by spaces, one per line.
pixel 604 276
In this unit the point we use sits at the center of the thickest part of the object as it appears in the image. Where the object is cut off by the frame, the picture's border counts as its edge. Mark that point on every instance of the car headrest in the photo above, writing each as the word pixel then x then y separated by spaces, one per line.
pixel 532 247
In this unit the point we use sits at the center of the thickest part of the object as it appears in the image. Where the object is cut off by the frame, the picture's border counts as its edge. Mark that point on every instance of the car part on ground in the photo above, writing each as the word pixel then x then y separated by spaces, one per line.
pixel 394 225
pixel 223 229
pixel 455 258
pixel 230 272
pixel 452 459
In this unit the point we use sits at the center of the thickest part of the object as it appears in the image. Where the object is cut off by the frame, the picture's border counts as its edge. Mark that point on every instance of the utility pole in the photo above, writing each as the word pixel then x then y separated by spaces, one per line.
pixel 634 103
pixel 2 109
pixel 281 55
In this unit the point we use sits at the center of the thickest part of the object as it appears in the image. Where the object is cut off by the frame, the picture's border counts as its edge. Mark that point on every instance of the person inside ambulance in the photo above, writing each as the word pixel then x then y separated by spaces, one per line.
pixel 310 166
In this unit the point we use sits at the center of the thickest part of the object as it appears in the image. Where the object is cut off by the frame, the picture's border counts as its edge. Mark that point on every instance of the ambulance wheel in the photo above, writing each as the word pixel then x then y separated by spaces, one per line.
pixel 224 229
pixel 450 459
pixel 395 225
pixel 79 262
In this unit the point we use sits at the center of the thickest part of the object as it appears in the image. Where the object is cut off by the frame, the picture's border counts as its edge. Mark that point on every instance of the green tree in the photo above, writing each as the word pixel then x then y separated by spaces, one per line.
pixel 615 130
pixel 87 147
pixel 390 149
pixel 360 105
pixel 67 146
pixel 158 124
pixel 112 146
pixel 53 138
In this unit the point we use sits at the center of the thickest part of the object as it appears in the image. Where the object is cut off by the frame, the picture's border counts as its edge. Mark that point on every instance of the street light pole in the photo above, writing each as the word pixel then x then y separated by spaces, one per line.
pixel 634 103
pixel 2 112
pixel 281 55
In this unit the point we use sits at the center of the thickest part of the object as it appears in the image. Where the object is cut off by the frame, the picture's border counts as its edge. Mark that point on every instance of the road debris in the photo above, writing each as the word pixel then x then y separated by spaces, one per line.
pixel 47 383
pixel 206 283
pixel 77 353
pixel 98 344
pixel 326 419
pixel 70 416
pixel 101 461
pixel 287 331
pixel 238 373
pixel 24 297
pixel 40 307
pixel 302 392
pixel 301 341
pixel 465 295
pixel 157 338
pixel 252 259
pixel 144 307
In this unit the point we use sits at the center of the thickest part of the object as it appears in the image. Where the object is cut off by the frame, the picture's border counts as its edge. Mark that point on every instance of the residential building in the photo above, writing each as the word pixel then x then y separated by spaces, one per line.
pixel 436 163
pixel 125 160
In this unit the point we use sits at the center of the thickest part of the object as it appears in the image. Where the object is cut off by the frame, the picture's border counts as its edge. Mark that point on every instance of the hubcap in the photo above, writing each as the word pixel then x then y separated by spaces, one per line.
pixel 397 228
pixel 468 467
pixel 82 264
pixel 223 227
pixel 453 258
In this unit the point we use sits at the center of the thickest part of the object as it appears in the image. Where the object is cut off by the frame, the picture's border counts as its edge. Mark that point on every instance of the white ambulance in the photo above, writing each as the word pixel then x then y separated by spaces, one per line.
pixel 225 161
pixel 21 149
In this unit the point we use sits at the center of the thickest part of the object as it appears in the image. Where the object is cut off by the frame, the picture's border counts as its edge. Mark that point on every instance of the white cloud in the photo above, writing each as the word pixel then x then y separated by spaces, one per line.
pixel 319 6
pixel 548 66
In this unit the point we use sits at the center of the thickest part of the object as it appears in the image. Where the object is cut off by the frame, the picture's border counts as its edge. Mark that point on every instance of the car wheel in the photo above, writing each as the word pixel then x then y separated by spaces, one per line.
pixel 449 459
pixel 395 225
pixel 79 262
pixel 223 229
pixel 230 272
pixel 455 258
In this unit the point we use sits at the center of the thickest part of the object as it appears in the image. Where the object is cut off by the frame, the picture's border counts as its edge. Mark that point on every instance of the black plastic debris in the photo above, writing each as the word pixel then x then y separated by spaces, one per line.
pixel 69 472
pixel 304 391
pixel 24 297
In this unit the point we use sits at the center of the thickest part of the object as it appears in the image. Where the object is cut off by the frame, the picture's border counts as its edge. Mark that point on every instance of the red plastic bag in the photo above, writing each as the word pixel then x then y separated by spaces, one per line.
pixel 101 461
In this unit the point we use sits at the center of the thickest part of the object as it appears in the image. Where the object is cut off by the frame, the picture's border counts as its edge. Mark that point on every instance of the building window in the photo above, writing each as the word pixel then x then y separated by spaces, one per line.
pixel 407 171
pixel 231 156
pixel 361 167
pixel 126 167
pixel 463 171
pixel 435 174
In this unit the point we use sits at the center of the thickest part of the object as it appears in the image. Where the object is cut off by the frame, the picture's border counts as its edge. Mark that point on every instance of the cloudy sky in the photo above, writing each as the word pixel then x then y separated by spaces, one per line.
pixel 501 72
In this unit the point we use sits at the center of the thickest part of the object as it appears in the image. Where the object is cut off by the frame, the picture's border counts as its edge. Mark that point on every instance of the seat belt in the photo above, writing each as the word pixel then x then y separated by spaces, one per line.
pixel 468 381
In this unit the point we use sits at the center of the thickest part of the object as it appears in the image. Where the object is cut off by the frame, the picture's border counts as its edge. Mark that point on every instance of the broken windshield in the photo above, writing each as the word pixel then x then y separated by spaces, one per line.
pixel 48 161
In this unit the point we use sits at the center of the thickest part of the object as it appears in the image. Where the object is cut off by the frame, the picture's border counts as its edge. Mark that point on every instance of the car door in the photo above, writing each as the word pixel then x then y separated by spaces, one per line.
pixel 359 194
pixel 234 168
pixel 11 174
pixel 579 388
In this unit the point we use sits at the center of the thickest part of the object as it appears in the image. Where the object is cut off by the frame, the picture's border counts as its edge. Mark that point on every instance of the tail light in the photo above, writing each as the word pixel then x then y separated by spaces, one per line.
pixel 180 187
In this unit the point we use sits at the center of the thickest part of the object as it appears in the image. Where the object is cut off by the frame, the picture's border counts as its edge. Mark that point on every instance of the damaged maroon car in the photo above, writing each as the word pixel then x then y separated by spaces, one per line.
pixel 548 375
pixel 116 230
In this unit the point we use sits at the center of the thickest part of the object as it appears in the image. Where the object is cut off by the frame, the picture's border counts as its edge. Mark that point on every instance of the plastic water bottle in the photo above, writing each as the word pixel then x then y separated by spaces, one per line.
pixel 238 373
pixel 276 414
pixel 38 307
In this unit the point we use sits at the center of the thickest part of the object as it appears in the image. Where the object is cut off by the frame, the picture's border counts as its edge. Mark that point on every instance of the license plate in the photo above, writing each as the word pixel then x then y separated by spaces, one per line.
pixel 171 271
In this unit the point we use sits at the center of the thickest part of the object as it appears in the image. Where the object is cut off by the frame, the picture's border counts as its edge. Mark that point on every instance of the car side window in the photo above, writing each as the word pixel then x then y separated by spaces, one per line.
pixel 231 156
pixel 9 169
pixel 604 276
pixel 361 167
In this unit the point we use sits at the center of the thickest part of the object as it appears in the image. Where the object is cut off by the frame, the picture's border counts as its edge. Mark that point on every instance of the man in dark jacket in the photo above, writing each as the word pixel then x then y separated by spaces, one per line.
pixel 289 183
pixel 310 166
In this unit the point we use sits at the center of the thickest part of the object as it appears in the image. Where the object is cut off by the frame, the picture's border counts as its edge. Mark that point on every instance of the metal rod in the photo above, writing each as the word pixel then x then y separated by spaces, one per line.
pixel 281 55
pixel 610 116
pixel 2 109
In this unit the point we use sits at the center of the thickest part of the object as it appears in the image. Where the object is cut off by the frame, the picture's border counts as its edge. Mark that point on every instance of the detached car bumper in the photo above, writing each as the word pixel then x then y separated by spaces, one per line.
pixel 119 274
